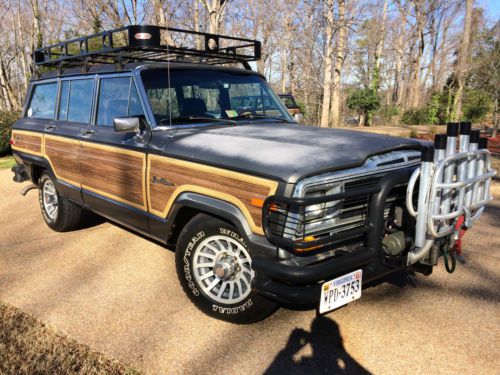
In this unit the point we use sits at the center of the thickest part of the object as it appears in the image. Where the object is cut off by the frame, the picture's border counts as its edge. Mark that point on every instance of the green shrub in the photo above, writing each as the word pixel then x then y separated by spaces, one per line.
pixel 476 105
pixel 6 120
pixel 415 116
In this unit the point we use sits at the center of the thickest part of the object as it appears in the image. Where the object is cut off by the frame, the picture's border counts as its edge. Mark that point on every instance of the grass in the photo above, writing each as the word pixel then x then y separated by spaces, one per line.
pixel 7 162
pixel 28 346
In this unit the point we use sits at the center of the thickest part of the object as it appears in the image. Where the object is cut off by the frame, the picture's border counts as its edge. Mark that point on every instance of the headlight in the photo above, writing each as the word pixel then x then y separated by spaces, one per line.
pixel 315 211
pixel 328 212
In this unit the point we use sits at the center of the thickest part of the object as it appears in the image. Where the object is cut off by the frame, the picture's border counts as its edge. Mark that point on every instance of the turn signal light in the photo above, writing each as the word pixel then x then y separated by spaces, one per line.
pixel 257 202
pixel 11 141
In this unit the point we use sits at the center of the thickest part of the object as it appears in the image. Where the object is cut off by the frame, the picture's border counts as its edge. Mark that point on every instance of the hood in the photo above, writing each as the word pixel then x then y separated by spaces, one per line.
pixel 278 151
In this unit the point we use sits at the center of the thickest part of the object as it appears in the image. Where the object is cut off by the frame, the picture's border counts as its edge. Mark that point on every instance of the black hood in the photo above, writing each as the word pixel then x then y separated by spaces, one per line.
pixel 279 151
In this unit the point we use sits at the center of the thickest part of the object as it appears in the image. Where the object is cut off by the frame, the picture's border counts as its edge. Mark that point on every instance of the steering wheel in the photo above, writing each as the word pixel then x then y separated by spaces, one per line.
pixel 246 112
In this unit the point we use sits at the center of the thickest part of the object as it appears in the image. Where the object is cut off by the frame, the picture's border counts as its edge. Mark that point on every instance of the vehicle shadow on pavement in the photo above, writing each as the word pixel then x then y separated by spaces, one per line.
pixel 328 353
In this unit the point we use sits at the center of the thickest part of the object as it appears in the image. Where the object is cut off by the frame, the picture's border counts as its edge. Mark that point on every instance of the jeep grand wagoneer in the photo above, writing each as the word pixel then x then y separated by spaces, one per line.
pixel 260 211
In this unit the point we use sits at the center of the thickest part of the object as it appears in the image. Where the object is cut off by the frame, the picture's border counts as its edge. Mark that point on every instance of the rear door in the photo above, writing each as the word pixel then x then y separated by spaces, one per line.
pixel 62 136
pixel 113 164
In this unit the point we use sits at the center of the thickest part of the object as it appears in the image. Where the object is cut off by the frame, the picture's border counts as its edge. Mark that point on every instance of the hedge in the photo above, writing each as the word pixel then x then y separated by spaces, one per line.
pixel 7 119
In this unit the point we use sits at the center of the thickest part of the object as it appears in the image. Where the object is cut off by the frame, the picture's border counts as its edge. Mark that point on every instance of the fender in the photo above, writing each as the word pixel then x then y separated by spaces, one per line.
pixel 30 161
pixel 225 211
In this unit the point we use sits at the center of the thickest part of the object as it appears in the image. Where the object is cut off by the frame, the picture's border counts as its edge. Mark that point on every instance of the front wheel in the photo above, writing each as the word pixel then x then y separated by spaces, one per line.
pixel 214 268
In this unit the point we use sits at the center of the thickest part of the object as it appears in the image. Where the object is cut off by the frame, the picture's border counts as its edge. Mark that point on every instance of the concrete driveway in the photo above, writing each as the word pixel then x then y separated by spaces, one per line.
pixel 119 294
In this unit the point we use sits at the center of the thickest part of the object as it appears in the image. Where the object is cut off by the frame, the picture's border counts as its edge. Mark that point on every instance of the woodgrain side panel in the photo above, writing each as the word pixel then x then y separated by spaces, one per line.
pixel 29 142
pixel 115 173
pixel 63 155
pixel 234 187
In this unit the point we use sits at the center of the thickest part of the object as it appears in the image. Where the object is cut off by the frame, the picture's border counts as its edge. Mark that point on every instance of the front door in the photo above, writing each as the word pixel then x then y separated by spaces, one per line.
pixel 113 164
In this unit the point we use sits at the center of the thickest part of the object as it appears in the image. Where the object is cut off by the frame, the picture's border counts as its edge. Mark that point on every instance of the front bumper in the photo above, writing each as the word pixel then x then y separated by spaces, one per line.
pixel 301 285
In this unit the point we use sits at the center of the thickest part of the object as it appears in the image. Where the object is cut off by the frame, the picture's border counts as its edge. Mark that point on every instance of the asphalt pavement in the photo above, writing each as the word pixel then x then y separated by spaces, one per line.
pixel 118 293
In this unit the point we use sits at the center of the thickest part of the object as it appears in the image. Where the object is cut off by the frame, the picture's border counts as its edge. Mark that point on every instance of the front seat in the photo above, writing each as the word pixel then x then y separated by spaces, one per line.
pixel 193 107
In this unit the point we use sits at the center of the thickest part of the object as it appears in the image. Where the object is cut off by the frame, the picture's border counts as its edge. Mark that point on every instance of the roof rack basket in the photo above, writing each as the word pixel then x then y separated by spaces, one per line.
pixel 146 43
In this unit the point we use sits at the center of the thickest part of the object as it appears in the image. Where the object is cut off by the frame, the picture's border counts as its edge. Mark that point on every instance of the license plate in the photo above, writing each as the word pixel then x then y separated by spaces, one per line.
pixel 340 291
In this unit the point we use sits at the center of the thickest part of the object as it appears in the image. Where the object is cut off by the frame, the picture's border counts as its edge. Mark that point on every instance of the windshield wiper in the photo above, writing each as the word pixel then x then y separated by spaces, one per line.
pixel 199 118
pixel 260 116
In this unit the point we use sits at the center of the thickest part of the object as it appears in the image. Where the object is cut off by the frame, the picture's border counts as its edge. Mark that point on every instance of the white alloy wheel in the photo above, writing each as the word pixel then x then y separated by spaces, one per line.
pixel 222 269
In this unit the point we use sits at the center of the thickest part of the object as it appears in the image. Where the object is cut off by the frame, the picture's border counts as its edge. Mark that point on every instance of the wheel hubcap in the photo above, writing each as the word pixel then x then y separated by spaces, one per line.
pixel 222 269
pixel 50 201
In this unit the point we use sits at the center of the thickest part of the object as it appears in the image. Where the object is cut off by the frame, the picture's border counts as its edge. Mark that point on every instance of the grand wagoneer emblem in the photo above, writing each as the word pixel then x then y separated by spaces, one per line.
pixel 161 180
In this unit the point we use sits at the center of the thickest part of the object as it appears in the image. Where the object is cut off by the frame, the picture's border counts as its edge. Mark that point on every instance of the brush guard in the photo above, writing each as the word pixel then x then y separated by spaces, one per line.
pixel 454 188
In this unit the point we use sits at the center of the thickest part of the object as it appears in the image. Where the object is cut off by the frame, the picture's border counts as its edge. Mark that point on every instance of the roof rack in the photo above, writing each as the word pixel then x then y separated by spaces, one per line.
pixel 146 43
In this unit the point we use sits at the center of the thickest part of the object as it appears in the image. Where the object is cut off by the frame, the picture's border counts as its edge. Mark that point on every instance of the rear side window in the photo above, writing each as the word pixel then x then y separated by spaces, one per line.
pixel 79 103
pixel 117 98
pixel 43 101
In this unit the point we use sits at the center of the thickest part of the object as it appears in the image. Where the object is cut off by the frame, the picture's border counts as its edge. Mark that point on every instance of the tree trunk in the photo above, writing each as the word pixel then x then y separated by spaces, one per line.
pixel 328 57
pixel 215 10
pixel 38 39
pixel 495 117
pixel 284 70
pixel 463 61
pixel 414 89
pixel 339 63
pixel 376 61
pixel 7 93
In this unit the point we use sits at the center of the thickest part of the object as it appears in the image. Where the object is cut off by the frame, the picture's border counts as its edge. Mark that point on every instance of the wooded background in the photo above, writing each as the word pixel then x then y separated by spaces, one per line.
pixel 347 62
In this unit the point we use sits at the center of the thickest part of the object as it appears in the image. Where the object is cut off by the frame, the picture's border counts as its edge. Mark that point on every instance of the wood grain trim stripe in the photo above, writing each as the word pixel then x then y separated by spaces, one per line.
pixel 266 185
pixel 73 142
pixel 135 154
pixel 28 142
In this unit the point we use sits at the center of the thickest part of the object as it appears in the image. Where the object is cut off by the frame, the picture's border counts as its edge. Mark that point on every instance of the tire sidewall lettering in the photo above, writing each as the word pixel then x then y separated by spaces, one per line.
pixel 187 262
pixel 232 310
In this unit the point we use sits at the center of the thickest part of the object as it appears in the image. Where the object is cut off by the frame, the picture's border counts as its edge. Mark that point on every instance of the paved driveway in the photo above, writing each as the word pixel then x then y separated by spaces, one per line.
pixel 118 293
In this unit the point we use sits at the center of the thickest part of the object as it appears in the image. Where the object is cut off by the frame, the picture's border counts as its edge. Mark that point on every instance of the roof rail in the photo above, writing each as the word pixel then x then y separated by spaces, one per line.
pixel 146 43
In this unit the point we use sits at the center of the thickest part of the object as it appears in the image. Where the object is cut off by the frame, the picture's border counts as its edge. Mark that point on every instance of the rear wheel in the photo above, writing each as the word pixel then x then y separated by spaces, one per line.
pixel 214 268
pixel 59 213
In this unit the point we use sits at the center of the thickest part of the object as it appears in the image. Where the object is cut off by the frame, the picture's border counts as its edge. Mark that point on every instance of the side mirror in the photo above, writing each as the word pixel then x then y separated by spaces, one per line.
pixel 126 124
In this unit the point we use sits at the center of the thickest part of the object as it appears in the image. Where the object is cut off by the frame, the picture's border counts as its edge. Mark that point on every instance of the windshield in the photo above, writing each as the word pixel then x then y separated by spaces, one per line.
pixel 206 95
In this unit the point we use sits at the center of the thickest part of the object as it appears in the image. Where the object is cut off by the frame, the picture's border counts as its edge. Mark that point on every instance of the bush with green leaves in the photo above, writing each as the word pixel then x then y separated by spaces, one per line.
pixel 7 119
pixel 415 116
pixel 363 101
pixel 476 104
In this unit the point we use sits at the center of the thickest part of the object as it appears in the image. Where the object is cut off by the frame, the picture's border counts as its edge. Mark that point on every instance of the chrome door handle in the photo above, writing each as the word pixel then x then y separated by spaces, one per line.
pixel 50 127
pixel 87 133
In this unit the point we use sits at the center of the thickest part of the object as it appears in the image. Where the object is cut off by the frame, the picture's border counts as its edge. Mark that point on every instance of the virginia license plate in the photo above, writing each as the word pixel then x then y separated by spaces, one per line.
pixel 340 291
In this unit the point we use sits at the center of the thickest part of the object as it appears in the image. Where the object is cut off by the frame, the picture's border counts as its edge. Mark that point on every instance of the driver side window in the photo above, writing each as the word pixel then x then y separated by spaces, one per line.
pixel 118 97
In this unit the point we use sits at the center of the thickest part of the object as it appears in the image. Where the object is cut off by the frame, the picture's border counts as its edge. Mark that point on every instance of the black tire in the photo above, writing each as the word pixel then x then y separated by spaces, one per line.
pixel 199 230
pixel 68 216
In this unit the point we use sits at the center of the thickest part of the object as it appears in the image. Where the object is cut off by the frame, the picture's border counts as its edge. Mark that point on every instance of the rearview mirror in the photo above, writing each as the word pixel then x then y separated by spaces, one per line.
pixel 126 124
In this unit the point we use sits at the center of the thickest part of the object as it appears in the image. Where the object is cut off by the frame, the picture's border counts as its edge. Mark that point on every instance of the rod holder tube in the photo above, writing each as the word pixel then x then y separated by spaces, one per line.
pixel 426 168
pixel 471 166
pixel 465 128
pixel 449 170
pixel 439 154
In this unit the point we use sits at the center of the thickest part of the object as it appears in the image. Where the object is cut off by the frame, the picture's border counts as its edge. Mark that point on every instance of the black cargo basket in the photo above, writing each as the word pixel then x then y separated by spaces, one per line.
pixel 145 43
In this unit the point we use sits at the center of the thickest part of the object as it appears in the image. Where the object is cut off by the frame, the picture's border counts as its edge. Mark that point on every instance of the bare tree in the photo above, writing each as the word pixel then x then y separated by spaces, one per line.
pixel 463 61
pixel 216 10
pixel 339 63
